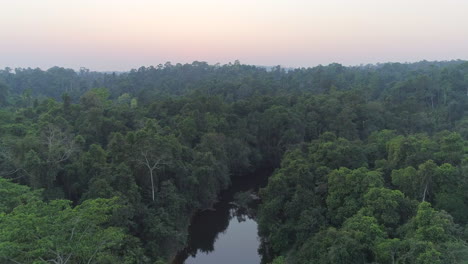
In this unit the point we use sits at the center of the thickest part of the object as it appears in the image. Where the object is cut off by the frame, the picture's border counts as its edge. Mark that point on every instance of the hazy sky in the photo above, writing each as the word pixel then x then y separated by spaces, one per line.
pixel 124 34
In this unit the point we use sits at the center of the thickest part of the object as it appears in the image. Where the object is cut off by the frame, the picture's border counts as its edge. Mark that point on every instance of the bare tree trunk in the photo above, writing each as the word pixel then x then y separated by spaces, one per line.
pixel 152 183
pixel 151 167
pixel 424 194
pixel 151 171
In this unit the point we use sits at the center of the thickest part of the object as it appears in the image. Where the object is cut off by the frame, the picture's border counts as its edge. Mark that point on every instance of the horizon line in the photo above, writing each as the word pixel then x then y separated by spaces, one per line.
pixel 236 62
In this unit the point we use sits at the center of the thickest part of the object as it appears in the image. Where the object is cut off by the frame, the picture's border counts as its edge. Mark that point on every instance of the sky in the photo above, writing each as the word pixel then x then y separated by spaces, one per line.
pixel 118 35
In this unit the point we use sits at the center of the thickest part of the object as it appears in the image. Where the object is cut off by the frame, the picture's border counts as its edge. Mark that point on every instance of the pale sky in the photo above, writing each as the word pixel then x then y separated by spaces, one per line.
pixel 124 34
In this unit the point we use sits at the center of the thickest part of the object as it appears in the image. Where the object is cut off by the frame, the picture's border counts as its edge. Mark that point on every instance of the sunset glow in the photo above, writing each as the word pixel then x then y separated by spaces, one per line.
pixel 120 35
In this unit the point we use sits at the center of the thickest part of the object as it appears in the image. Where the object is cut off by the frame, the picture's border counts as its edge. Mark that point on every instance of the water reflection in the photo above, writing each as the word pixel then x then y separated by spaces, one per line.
pixel 227 233
pixel 237 244
pixel 224 234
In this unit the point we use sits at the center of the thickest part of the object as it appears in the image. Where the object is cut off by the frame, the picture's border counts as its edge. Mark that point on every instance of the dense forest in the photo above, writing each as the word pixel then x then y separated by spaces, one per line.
pixel 370 163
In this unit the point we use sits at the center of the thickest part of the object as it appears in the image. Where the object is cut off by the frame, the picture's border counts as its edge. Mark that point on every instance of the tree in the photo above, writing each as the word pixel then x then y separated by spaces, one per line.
pixel 342 201
pixel 365 230
pixel 417 184
pixel 13 195
pixel 404 179
pixel 451 149
pixel 279 260
pixel 388 250
pixel 292 207
pixel 334 152
pixel 331 246
pixel 389 207
pixel 4 92
pixel 278 128
pixel 431 225
pixel 153 150
pixel 39 232
pixel 430 238
pixel 66 103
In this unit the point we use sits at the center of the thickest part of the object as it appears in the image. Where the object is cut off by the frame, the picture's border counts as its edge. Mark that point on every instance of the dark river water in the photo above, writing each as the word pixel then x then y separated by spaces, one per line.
pixel 227 233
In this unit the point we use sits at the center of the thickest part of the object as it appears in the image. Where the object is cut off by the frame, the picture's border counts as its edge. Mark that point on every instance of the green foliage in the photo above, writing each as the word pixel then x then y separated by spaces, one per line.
pixel 4 91
pixel 390 207
pixel 343 201
pixel 55 231
pixel 13 195
pixel 359 153
pixel 331 246
pixel 431 225
pixel 388 250
pixel 279 260
pixel 292 209
pixel 334 152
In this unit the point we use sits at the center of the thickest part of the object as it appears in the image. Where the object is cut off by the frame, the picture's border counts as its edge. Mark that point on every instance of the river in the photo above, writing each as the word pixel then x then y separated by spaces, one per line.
pixel 227 233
